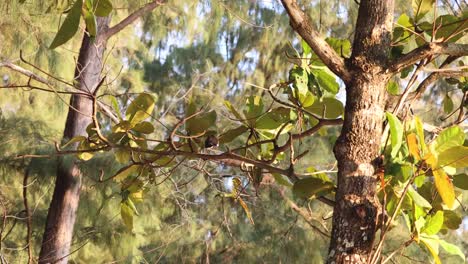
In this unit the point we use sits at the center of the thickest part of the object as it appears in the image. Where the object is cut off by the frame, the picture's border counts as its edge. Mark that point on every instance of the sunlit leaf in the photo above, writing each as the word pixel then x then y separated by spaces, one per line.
pixel 448 138
pixel 418 199
pixel 341 46
pixel 421 8
pixel 122 155
pixel 312 187
pixel 102 8
pixel 433 223
pixel 456 157
pixel 140 108
pixel 413 146
pixel 144 127
pixel 392 88
pixel 90 21
pixel 233 110
pixel 432 244
pixel 396 133
pixel 452 249
pixel 69 27
pixel 246 210
pixel 84 145
pixel 444 187
pixel 326 80
pixel 127 215
pixel 126 171
pixel 327 108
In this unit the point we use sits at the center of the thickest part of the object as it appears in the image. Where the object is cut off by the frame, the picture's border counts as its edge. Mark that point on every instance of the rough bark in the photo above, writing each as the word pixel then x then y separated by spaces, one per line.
pixel 62 210
pixel 357 149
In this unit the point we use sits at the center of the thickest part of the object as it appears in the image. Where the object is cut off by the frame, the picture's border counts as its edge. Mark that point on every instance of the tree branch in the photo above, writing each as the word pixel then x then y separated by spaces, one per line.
pixel 301 23
pixel 451 49
pixel 131 18
pixel 33 76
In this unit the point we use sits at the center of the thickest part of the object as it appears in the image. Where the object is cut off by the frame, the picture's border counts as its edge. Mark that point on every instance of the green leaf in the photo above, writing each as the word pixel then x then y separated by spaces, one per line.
pixel 447 26
pixel 140 108
pixel 282 180
pixel 127 215
pixel 448 138
pixel 273 119
pixel 102 8
pixel 144 127
pixel 253 109
pixel 461 181
pixel 392 88
pixel 300 79
pixel 433 223
pixel 341 46
pixel 232 134
pixel 200 123
pixel 432 244
pixel 448 104
pixel 452 249
pixel 418 199
pixel 233 110
pixel 326 80
pixel 125 172
pixel 456 157
pixel 74 140
pixel 396 133
pixel 307 99
pixel 90 21
pixel 312 187
pixel 122 155
pixel 69 27
pixel 305 48
pixel 421 8
pixel 116 107
pixel 84 145
pixel 331 107
pixel 452 220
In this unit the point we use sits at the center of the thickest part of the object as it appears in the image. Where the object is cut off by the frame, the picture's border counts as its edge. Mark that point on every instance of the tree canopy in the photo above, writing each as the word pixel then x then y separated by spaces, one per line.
pixel 218 131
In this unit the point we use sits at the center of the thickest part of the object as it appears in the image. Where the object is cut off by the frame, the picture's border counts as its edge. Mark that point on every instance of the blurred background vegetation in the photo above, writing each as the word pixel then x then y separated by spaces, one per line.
pixel 207 51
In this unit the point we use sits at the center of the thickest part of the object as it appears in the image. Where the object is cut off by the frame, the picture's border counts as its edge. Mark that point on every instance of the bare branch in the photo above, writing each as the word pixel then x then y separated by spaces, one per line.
pixel 33 76
pixel 131 18
pixel 301 23
pixel 23 71
pixel 451 49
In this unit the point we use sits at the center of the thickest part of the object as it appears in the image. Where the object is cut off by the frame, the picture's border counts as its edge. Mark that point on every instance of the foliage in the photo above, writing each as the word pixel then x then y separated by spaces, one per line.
pixel 173 196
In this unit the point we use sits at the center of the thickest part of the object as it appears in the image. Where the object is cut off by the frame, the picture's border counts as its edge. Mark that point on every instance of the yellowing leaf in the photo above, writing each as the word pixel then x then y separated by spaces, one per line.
pixel 456 157
pixel 413 146
pixel 140 108
pixel 246 209
pixel 127 215
pixel 444 187
pixel 125 172
pixel 432 244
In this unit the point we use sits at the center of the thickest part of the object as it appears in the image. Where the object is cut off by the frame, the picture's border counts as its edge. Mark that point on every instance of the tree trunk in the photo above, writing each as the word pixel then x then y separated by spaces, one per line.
pixel 61 217
pixel 357 149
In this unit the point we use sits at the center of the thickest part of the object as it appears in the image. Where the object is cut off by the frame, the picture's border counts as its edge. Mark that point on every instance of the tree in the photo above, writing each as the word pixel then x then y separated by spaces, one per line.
pixel 377 180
